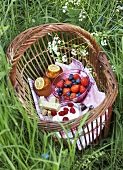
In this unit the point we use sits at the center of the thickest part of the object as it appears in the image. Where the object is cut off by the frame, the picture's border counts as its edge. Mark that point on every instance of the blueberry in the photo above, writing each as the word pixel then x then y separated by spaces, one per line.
pixel 78 81
pixel 66 85
pixel 83 106
pixel 68 94
pixel 70 77
pixel 59 93
pixel 57 90
pixel 63 79
pixel 69 85
pixel 78 94
pixel 73 81
pixel 60 89
pixel 91 107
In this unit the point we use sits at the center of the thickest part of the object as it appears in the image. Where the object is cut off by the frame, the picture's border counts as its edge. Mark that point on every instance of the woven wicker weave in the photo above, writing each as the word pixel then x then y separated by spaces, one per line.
pixel 29 51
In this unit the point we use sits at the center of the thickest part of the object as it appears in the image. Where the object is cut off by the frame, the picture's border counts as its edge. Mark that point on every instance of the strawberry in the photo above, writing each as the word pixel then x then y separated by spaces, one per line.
pixel 70 104
pixel 68 82
pixel 84 81
pixel 73 95
pixel 67 97
pixel 82 89
pixel 72 110
pixel 75 88
pixel 61 113
pixel 76 76
pixel 66 79
pixel 60 84
pixel 65 110
pixel 65 90
pixel 65 119
pixel 53 112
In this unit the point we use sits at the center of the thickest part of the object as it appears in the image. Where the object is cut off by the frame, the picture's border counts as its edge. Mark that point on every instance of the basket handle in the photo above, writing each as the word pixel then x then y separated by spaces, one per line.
pixel 28 37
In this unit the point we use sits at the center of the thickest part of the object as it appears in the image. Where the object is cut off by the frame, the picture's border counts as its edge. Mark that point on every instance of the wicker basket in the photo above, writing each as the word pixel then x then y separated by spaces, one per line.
pixel 29 51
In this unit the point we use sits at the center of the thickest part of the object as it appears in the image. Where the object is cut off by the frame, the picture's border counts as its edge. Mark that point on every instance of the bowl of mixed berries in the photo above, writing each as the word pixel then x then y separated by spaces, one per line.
pixel 72 85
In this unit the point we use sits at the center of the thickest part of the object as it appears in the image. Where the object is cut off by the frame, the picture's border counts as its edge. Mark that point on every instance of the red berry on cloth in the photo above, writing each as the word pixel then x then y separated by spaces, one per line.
pixel 70 104
pixel 72 110
pixel 61 113
pixel 65 119
pixel 65 110
pixel 53 112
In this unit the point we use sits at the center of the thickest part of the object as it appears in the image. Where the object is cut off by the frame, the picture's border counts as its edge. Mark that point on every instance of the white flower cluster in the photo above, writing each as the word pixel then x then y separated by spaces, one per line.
pixel 82 15
pixel 66 5
pixel 119 8
pixel 74 52
pixel 64 58
pixel 82 51
pixel 103 42
pixel 113 68
pixel 103 39
pixel 94 34
pixel 64 9
pixel 53 47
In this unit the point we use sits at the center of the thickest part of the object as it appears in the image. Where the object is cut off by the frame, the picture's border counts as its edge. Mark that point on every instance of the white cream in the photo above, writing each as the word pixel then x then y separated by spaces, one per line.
pixel 69 115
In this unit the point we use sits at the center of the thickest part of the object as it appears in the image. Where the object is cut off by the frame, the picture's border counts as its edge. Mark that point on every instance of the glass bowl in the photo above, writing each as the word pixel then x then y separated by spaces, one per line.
pixel 63 76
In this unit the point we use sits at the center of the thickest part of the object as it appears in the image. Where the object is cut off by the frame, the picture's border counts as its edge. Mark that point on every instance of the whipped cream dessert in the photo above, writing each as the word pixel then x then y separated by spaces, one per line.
pixel 67 112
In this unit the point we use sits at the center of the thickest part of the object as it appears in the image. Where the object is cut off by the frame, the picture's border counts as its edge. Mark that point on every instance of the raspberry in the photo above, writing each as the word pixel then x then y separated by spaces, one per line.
pixel 65 119
pixel 61 113
pixel 53 112
pixel 65 110
pixel 72 110
pixel 70 104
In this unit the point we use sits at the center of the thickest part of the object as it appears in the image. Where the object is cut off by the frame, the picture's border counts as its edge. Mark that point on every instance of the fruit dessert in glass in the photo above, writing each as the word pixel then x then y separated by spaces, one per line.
pixel 53 71
pixel 42 86
pixel 72 85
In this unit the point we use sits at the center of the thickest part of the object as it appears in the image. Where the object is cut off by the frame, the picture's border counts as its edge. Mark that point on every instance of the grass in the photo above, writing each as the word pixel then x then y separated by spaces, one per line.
pixel 21 143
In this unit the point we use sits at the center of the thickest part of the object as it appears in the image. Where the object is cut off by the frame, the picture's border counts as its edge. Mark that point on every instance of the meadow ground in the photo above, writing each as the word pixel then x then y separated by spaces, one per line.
pixel 21 143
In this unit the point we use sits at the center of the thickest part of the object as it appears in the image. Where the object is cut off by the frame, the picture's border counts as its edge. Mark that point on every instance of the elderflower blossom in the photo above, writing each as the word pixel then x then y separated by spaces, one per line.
pixel 82 15
pixel 84 52
pixel 53 46
pixel 119 8
pixel 64 58
pixel 94 33
pixel 74 2
pixel 113 68
pixel 103 42
pixel 64 9
pixel 74 52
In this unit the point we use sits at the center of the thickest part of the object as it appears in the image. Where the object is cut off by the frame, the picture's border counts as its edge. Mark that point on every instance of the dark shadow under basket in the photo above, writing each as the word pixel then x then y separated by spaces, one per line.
pixel 29 56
